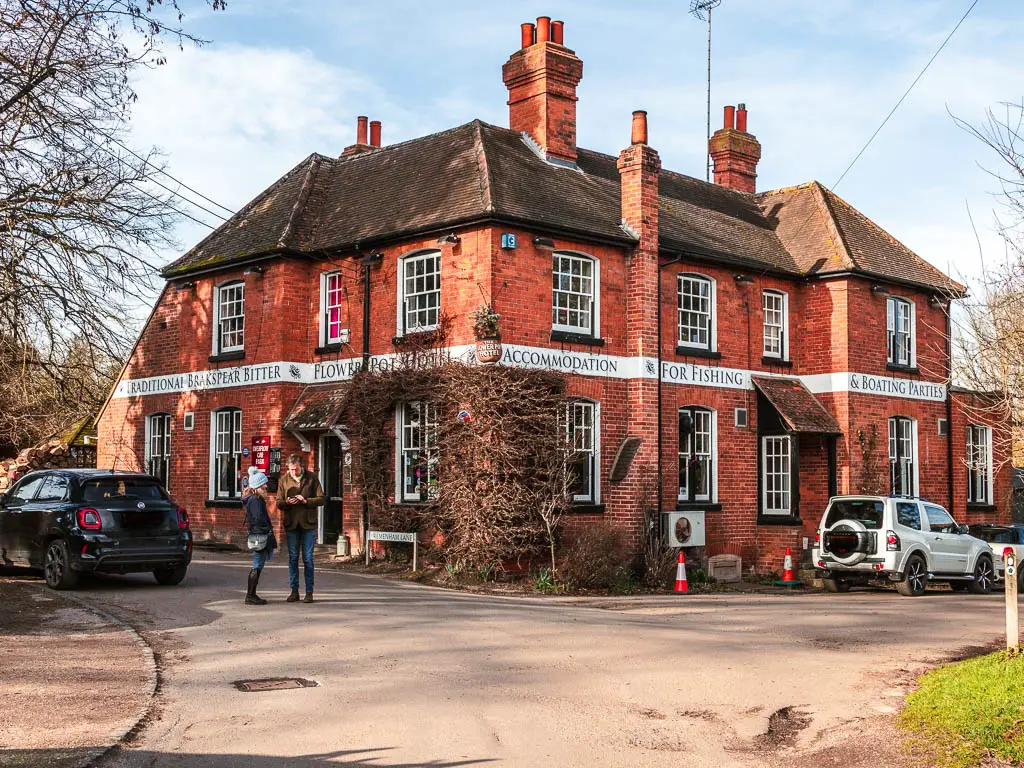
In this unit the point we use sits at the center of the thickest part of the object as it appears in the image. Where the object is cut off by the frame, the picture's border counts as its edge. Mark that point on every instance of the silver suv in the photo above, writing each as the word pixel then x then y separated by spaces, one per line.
pixel 898 539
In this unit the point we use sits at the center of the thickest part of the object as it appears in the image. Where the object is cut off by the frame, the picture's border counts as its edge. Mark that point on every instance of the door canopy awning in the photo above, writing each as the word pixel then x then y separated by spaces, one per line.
pixel 800 410
pixel 317 408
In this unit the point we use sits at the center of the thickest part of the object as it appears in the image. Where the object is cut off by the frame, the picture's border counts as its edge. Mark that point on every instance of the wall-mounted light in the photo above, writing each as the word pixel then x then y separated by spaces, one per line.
pixel 744 279
pixel 372 258
pixel 936 301
pixel 544 242
pixel 451 239
pixel 188 285
pixel 255 269
pixel 878 288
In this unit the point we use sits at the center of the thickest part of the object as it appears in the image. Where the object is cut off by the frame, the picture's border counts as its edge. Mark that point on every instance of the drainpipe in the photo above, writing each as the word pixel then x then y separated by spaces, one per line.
pixel 674 260
pixel 367 262
pixel 949 404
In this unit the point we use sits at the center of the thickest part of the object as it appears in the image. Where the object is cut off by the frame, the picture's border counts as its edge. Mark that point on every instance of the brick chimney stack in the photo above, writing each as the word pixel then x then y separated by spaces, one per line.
pixel 541 78
pixel 735 152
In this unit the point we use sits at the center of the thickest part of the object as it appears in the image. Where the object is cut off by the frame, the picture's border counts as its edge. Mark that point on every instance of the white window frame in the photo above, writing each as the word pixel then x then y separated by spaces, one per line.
pixel 401 448
pixel 402 311
pixel 712 330
pixel 892 332
pixel 573 431
pixel 594 297
pixel 218 319
pixel 782 325
pixel 979 471
pixel 155 423
pixel 326 306
pixel 712 496
pixel 784 473
pixel 235 452
pixel 894 439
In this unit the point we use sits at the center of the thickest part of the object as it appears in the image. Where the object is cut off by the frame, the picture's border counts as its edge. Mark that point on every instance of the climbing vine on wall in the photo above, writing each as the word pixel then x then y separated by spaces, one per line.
pixel 500 451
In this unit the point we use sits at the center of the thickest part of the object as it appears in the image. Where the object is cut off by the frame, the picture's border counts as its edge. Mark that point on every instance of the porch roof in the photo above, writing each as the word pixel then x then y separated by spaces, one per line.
pixel 317 408
pixel 800 410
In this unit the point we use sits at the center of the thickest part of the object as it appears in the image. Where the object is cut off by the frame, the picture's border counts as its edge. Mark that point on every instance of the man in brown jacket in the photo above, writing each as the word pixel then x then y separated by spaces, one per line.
pixel 298 496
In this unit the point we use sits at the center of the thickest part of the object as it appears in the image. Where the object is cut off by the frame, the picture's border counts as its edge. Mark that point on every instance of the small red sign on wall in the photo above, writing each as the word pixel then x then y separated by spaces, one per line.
pixel 260 455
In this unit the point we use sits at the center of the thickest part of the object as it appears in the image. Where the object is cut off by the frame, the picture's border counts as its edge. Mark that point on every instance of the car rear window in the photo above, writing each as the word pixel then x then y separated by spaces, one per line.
pixel 115 488
pixel 995 535
pixel 869 513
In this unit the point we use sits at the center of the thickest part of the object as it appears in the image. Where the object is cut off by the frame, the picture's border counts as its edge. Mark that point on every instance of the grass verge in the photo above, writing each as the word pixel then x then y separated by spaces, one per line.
pixel 965 711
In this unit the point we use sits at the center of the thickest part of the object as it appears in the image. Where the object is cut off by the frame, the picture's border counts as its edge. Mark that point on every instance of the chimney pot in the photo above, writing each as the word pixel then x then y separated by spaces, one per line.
pixel 558 32
pixel 543 29
pixel 730 117
pixel 361 129
pixel 741 118
pixel 375 133
pixel 527 32
pixel 639 135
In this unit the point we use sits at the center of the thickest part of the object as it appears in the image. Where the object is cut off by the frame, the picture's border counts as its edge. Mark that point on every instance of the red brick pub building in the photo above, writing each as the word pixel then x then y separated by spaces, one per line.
pixel 782 346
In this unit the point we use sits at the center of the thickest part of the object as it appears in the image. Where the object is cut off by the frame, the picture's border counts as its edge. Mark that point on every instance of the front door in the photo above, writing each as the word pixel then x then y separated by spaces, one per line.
pixel 330 476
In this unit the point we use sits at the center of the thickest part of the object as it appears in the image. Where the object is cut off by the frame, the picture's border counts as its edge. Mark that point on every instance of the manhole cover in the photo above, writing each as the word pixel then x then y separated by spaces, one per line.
pixel 274 684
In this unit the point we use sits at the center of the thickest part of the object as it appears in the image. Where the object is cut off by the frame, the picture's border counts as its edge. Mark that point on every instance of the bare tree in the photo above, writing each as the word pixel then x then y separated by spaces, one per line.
pixel 81 214
pixel 990 326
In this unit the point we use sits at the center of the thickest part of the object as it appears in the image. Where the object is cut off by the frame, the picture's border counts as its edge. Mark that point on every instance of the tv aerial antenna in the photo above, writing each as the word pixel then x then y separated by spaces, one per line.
pixel 702 10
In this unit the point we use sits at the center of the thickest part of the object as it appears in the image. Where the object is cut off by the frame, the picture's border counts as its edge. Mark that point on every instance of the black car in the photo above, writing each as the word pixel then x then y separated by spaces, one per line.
pixel 68 521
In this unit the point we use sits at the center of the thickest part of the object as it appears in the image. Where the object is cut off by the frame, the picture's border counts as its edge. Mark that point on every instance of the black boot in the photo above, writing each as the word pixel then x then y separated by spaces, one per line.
pixel 251 598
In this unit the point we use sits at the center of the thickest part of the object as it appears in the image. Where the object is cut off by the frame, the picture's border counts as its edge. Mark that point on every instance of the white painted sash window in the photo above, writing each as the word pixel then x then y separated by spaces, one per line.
pixel 417 451
pixel 229 309
pixel 900 331
pixel 696 312
pixel 979 464
pixel 158 447
pixel 776 322
pixel 330 301
pixel 776 475
pixel 696 454
pixel 574 293
pixel 902 456
pixel 226 460
pixel 419 292
pixel 581 432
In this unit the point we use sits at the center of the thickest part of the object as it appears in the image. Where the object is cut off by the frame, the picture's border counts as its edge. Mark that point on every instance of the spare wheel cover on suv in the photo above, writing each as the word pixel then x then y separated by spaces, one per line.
pixel 849 542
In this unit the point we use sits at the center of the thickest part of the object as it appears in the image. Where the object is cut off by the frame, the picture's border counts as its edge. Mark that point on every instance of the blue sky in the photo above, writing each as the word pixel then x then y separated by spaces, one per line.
pixel 282 79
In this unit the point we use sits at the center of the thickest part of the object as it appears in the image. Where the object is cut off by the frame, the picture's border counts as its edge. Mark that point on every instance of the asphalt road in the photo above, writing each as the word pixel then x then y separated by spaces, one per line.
pixel 414 676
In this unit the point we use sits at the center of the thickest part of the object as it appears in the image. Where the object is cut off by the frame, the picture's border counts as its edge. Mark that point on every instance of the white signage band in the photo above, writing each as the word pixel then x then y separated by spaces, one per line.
pixel 538 358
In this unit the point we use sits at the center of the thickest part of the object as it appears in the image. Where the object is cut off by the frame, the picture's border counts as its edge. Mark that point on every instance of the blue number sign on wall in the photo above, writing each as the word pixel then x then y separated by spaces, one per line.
pixel 508 240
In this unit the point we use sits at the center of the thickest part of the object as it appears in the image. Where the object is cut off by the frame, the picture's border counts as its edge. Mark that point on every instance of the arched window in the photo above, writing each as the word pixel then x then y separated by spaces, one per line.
pixel 902 456
pixel 583 434
pixel 226 453
pixel 158 447
pixel 696 312
pixel 229 317
pixel 575 293
pixel 419 292
pixel 697 454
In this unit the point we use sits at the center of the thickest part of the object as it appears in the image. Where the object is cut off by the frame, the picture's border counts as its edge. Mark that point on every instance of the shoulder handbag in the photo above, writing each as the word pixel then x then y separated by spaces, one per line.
pixel 258 541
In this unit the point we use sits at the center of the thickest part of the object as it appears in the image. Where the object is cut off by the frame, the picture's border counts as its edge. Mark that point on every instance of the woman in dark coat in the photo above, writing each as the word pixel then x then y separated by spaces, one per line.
pixel 257 517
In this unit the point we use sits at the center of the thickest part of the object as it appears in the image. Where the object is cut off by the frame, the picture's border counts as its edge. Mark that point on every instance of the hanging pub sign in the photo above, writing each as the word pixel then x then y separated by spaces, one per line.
pixel 261 452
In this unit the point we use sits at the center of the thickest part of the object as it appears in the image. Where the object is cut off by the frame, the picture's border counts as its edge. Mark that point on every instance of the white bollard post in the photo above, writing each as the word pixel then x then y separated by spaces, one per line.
pixel 1010 583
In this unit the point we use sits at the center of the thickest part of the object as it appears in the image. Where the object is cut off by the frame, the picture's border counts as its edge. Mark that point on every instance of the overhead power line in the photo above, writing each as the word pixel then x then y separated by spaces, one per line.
pixel 906 93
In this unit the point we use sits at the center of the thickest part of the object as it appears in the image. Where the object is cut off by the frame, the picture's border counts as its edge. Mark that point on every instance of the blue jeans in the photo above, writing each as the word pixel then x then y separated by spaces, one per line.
pixel 260 557
pixel 306 538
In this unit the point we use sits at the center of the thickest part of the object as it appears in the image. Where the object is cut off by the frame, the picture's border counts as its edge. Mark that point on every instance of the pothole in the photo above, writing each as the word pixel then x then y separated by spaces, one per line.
pixel 274 684
pixel 784 726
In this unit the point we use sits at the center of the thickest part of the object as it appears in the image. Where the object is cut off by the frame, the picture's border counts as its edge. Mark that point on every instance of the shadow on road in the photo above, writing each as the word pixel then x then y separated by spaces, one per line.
pixel 118 758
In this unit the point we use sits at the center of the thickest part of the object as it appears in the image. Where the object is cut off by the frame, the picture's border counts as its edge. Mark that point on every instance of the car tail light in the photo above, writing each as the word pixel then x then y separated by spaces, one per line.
pixel 878 566
pixel 817 539
pixel 892 542
pixel 89 520
pixel 182 519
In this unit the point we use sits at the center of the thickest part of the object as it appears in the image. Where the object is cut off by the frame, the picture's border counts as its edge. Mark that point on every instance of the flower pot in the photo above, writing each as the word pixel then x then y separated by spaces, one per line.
pixel 488 351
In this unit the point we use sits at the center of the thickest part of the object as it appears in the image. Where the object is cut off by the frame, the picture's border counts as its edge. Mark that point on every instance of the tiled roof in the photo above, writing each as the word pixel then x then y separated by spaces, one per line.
pixel 797 406
pixel 479 171
pixel 318 407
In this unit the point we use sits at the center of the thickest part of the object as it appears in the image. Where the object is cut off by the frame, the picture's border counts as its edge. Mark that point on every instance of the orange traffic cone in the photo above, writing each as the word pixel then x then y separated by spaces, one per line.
pixel 681 585
pixel 788 578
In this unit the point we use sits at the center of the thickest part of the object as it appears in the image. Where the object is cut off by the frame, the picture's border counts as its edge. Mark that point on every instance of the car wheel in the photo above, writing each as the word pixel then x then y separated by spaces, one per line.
pixel 836 585
pixel 984 576
pixel 57 566
pixel 915 578
pixel 168 577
